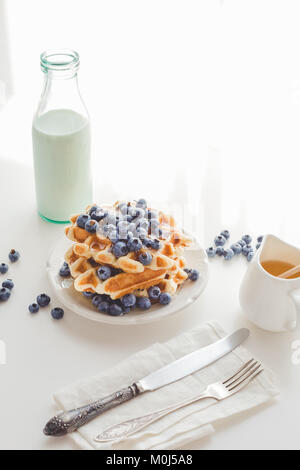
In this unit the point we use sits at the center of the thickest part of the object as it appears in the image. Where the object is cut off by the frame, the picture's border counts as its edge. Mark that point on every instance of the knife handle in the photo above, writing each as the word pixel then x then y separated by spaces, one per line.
pixel 69 421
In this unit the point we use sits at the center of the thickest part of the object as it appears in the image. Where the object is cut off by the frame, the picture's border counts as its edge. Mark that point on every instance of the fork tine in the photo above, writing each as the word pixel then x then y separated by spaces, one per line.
pixel 241 374
pixel 239 371
pixel 246 380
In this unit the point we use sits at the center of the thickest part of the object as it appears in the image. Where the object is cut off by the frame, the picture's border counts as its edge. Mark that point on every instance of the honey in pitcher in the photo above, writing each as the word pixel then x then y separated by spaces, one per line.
pixel 276 267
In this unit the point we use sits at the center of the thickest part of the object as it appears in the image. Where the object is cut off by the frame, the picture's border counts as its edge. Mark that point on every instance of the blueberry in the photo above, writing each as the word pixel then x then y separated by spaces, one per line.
pixel 143 223
pixel 104 272
pixel 113 236
pixel 93 209
pixel 43 300
pixel 103 306
pixel 154 293
pixel 123 208
pixel 219 251
pixel 250 255
pixel 220 240
pixel 152 215
pixel 228 254
pixel 126 309
pixel 34 308
pixel 247 249
pixel 247 239
pixel 225 234
pixel 115 310
pixel 91 226
pixel 258 246
pixel 129 300
pixel 156 245
pixel 98 214
pixel 134 244
pixel 211 252
pixel 260 238
pixel 187 270
pixel 82 220
pixel 64 270
pixel 3 268
pixel 156 232
pixel 96 300
pixel 57 313
pixel 154 224
pixel 147 242
pixel 141 233
pixel 120 249
pixel 143 303
pixel 165 298
pixel 88 294
pixel 110 219
pixel 127 218
pixel 242 243
pixel 14 256
pixel 193 275
pixel 108 228
pixel 8 284
pixel 142 203
pixel 139 213
pixel 237 249
pixel 4 294
pixel 145 258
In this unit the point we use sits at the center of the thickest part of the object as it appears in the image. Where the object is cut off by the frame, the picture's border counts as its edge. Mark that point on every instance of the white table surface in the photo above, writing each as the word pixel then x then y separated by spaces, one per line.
pixel 44 355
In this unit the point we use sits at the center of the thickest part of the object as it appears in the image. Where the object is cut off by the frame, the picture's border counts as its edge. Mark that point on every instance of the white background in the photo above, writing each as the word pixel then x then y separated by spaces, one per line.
pixel 191 101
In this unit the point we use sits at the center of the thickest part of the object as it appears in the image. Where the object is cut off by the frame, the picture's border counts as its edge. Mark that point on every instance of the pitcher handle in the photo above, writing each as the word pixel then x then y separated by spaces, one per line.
pixel 295 296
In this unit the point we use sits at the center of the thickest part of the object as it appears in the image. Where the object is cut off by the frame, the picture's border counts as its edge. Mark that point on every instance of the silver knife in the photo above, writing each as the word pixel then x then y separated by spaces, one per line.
pixel 69 421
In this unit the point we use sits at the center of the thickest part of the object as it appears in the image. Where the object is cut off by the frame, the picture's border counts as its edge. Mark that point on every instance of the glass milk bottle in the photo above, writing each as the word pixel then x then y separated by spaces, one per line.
pixel 61 141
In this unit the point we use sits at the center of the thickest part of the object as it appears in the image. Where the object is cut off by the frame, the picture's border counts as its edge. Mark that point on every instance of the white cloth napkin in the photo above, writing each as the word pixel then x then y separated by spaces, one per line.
pixel 183 426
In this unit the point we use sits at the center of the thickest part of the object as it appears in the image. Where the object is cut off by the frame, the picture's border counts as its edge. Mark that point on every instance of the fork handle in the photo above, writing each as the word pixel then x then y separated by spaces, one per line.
pixel 127 428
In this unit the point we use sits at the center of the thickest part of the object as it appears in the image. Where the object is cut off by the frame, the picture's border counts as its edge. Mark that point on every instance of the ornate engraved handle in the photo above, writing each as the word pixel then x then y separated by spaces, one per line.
pixel 69 421
pixel 127 428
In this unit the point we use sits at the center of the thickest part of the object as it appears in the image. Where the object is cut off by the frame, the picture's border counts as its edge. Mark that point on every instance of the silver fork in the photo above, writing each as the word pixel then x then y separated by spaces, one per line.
pixel 218 391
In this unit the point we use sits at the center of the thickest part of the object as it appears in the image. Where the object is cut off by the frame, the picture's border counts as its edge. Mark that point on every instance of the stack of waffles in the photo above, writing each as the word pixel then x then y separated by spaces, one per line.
pixel 93 248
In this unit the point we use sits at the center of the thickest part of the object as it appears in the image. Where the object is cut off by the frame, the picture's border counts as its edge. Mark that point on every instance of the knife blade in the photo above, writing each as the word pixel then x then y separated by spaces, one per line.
pixel 70 421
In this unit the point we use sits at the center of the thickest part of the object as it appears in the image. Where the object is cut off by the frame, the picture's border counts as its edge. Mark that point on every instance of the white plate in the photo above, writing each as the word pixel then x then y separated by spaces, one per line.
pixel 195 256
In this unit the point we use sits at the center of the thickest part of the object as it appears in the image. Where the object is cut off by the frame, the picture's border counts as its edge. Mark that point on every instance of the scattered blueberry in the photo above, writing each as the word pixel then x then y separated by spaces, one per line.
pixel 220 240
pixel 219 251
pixel 64 270
pixel 154 292
pixel 260 238
pixel 211 252
pixel 165 298
pixel 43 300
pixel 3 268
pixel 143 303
pixel 152 215
pixel 143 223
pixel 147 242
pixel 82 220
pixel 237 249
pixel 242 243
pixel 57 313
pixel 154 224
pixel 250 255
pixel 93 209
pixel 113 236
pixel 129 300
pixel 96 300
pixel 91 226
pixel 120 249
pixel 103 307
pixel 88 294
pixel 14 256
pixel 193 275
pixel 108 228
pixel 145 258
pixel 139 213
pixel 4 294
pixel 34 308
pixel 98 214
pixel 247 249
pixel 228 254
pixel 110 219
pixel 104 272
pixel 8 284
pixel 134 244
pixel 225 234
pixel 115 310
pixel 258 246
pixel 247 239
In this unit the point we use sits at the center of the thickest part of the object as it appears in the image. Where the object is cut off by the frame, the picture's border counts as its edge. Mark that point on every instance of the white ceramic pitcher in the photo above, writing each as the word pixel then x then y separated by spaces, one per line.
pixel 268 301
